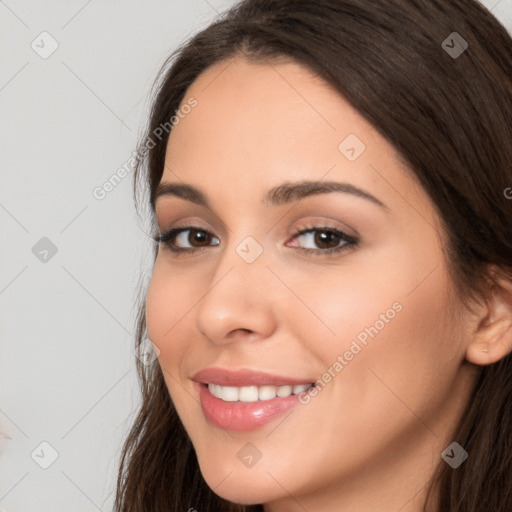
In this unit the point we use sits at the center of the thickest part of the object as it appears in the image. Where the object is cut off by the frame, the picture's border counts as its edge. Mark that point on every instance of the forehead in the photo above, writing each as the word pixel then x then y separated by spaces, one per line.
pixel 244 105
pixel 270 95
pixel 264 122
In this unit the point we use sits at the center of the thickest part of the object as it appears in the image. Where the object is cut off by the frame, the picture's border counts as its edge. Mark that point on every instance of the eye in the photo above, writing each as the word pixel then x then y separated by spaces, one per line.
pixel 176 239
pixel 326 239
pixel 192 238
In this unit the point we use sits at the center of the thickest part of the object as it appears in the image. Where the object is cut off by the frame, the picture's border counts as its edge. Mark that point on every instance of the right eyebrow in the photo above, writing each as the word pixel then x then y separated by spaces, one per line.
pixel 187 192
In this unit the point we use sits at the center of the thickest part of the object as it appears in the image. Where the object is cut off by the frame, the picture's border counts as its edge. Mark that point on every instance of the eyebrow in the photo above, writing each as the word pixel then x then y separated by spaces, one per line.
pixel 282 194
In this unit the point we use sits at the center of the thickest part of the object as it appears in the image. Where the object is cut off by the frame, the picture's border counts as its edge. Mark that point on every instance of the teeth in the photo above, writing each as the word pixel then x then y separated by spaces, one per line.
pixel 254 393
pixel 248 394
pixel 228 393
pixel 300 388
pixel 284 391
pixel 267 392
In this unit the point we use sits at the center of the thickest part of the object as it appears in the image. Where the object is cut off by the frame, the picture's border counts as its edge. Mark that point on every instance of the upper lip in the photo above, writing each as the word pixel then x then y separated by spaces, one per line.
pixel 239 378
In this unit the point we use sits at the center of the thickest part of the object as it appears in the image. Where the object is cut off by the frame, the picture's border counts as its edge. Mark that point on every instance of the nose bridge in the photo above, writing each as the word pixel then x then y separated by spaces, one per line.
pixel 238 294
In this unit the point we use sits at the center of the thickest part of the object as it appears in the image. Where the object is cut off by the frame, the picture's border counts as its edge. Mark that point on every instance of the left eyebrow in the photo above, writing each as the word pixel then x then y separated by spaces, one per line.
pixel 282 194
pixel 289 192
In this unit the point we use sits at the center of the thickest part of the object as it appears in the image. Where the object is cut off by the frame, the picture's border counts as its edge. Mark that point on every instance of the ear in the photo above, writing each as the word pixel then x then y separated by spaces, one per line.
pixel 492 339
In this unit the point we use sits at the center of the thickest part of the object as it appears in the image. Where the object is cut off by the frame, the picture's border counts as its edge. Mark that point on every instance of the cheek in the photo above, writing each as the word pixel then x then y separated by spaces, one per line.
pixel 385 331
pixel 168 299
pixel 158 308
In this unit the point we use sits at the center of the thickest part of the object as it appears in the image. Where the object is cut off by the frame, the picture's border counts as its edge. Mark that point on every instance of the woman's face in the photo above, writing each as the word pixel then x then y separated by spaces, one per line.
pixel 375 324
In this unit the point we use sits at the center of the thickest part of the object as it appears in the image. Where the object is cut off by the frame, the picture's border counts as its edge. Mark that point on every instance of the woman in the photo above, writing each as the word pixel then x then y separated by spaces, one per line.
pixel 331 298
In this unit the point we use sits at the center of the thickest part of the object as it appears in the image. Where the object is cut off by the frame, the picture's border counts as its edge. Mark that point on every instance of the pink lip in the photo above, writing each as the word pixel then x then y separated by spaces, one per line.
pixel 241 378
pixel 243 416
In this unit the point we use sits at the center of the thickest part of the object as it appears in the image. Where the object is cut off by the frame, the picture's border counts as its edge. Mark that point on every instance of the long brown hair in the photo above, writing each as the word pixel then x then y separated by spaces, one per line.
pixel 450 118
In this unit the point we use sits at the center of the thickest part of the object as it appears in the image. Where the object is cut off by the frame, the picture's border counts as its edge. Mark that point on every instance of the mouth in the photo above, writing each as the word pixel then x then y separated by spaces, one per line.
pixel 255 393
pixel 246 400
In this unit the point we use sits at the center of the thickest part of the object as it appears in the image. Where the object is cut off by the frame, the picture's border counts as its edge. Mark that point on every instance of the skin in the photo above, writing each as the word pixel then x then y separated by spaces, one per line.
pixel 371 437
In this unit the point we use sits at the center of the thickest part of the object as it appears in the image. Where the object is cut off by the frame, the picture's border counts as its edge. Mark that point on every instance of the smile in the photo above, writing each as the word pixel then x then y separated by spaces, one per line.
pixel 246 399
pixel 255 393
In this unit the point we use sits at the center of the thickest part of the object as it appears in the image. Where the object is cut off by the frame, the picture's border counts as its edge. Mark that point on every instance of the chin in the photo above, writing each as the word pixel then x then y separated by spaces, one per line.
pixel 242 486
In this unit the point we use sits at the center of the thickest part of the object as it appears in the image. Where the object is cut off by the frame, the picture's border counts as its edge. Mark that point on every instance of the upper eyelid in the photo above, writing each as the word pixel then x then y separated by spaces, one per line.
pixel 325 223
pixel 283 196
pixel 189 224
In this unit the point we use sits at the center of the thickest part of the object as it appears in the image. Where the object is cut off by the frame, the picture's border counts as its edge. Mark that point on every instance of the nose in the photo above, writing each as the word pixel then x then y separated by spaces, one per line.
pixel 238 303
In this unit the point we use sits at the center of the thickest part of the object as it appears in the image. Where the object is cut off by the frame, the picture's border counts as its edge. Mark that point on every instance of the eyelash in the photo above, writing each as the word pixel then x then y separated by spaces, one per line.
pixel 168 238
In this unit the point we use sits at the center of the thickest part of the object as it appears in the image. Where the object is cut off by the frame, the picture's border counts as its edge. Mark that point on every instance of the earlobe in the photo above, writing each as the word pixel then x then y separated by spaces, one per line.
pixel 492 343
pixel 492 339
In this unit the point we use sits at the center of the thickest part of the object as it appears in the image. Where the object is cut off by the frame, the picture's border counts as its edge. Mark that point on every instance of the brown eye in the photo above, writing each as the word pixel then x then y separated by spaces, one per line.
pixel 198 237
pixel 187 239
pixel 324 239
pixel 327 239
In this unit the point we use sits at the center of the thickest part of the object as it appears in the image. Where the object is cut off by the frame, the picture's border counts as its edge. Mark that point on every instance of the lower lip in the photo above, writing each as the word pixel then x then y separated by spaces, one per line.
pixel 243 415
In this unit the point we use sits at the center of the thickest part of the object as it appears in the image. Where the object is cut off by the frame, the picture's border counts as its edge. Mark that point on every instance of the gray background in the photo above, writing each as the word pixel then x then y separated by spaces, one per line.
pixel 69 121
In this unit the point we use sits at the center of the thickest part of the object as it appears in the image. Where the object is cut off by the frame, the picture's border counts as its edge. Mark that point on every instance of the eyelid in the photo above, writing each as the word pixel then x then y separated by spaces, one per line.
pixel 317 222
pixel 349 240
pixel 175 231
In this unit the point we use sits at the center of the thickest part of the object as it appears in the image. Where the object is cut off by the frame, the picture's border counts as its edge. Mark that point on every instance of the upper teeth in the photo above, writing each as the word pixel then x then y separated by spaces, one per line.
pixel 254 393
